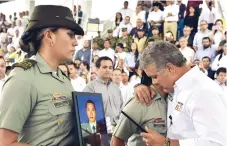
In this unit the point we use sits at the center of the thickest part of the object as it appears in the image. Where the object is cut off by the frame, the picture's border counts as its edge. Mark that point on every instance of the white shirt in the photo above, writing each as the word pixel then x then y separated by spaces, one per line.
pixel 198 111
pixel 219 63
pixel 135 16
pixel 107 52
pixel 121 55
pixel 126 12
pixel 208 15
pixel 127 92
pixel 188 53
pixel 174 9
pixel 91 125
pixel 78 84
pixel 155 16
pixel 197 42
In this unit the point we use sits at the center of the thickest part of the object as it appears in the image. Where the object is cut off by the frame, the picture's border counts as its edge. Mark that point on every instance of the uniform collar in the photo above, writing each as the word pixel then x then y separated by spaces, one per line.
pixel 45 68
pixel 157 95
pixel 187 80
pixel 42 64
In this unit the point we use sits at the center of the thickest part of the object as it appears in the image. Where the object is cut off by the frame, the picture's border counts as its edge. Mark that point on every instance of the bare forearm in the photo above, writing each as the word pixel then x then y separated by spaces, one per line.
pixel 115 141
pixel 18 144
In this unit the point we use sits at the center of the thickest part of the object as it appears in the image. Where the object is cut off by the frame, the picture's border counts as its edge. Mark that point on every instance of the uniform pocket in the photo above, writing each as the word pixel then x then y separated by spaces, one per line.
pixel 58 107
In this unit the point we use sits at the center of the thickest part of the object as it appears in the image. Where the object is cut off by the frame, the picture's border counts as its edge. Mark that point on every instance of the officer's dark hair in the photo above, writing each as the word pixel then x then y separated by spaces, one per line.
pixel 207 38
pixel 206 57
pixel 72 63
pixel 126 2
pixel 91 102
pixel 221 70
pixel 32 39
pixel 120 45
pixel 104 58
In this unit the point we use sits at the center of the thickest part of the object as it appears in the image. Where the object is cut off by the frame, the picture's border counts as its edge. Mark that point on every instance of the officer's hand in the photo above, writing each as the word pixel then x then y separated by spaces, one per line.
pixel 153 138
pixel 144 94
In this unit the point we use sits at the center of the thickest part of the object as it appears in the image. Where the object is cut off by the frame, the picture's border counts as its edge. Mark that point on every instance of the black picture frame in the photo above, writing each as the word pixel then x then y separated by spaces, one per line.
pixel 79 104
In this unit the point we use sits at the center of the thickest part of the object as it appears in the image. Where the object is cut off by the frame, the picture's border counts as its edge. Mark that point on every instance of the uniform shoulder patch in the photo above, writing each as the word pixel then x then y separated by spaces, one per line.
pixel 26 64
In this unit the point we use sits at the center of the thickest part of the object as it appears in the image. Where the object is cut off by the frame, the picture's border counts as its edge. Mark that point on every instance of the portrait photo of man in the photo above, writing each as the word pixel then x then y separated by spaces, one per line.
pixel 94 132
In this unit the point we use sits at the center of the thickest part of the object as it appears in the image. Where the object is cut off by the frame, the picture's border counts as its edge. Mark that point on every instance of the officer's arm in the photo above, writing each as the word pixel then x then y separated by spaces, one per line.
pixel 115 141
pixel 9 138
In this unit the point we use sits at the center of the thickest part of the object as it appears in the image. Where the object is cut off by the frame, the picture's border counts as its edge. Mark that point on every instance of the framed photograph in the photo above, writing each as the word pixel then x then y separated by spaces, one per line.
pixel 91 129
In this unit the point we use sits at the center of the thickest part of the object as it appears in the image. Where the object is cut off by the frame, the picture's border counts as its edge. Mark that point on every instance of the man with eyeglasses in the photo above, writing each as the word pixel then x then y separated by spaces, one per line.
pixel 203 32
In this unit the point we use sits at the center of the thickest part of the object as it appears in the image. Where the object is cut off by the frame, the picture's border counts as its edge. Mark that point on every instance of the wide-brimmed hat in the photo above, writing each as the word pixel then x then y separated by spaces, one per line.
pixel 48 16
pixel 45 16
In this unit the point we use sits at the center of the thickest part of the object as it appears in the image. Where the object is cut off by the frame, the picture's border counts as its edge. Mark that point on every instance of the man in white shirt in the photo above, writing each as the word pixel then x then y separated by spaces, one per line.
pixel 185 50
pixel 221 78
pixel 126 11
pixel 107 51
pixel 138 14
pixel 171 17
pixel 203 32
pixel 78 82
pixel 209 13
pixel 156 16
pixel 124 24
pixel 197 111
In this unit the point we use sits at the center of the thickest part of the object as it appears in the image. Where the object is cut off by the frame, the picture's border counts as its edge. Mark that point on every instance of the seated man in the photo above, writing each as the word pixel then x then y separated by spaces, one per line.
pixel 153 116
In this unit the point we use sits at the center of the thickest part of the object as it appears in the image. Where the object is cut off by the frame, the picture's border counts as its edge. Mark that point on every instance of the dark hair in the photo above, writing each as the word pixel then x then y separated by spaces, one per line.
pixel 221 69
pixel 107 40
pixel 206 57
pixel 31 40
pixel 120 45
pixel 116 17
pixel 86 64
pixel 91 102
pixel 104 58
pixel 136 53
pixel 126 2
pixel 219 20
pixel 72 63
pixel 206 38
pixel 1 57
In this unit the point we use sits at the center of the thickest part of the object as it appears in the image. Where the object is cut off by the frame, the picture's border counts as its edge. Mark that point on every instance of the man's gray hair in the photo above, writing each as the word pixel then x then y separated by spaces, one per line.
pixel 160 53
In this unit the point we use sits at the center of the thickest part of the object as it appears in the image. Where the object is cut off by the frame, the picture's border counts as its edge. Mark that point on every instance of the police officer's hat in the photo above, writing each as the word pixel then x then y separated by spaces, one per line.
pixel 45 16
pixel 110 30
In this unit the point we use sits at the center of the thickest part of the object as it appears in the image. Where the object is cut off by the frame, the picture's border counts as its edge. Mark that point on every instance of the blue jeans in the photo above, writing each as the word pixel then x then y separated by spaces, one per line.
pixel 180 27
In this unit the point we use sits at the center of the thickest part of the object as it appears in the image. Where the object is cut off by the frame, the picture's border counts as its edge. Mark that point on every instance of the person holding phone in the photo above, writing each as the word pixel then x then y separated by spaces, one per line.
pixel 152 116
pixel 197 110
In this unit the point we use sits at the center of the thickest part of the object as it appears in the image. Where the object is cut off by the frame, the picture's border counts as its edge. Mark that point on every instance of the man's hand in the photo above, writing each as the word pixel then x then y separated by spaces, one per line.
pixel 144 94
pixel 153 138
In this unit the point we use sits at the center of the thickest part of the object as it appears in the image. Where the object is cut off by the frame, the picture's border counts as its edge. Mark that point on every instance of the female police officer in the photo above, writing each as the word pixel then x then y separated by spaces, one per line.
pixel 35 105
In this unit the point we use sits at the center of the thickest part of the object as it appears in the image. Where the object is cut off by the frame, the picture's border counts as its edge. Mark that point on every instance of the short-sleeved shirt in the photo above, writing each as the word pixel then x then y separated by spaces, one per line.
pixel 36 103
pixel 153 117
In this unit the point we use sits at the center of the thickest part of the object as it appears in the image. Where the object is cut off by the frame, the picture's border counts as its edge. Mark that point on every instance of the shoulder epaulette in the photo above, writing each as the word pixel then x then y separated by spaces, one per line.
pixel 26 64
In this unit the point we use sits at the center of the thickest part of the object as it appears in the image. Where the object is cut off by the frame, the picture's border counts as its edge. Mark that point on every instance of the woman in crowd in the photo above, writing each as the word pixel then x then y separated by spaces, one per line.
pixel 221 59
pixel 118 19
pixel 39 110
pixel 132 59
pixel 217 32
pixel 192 19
